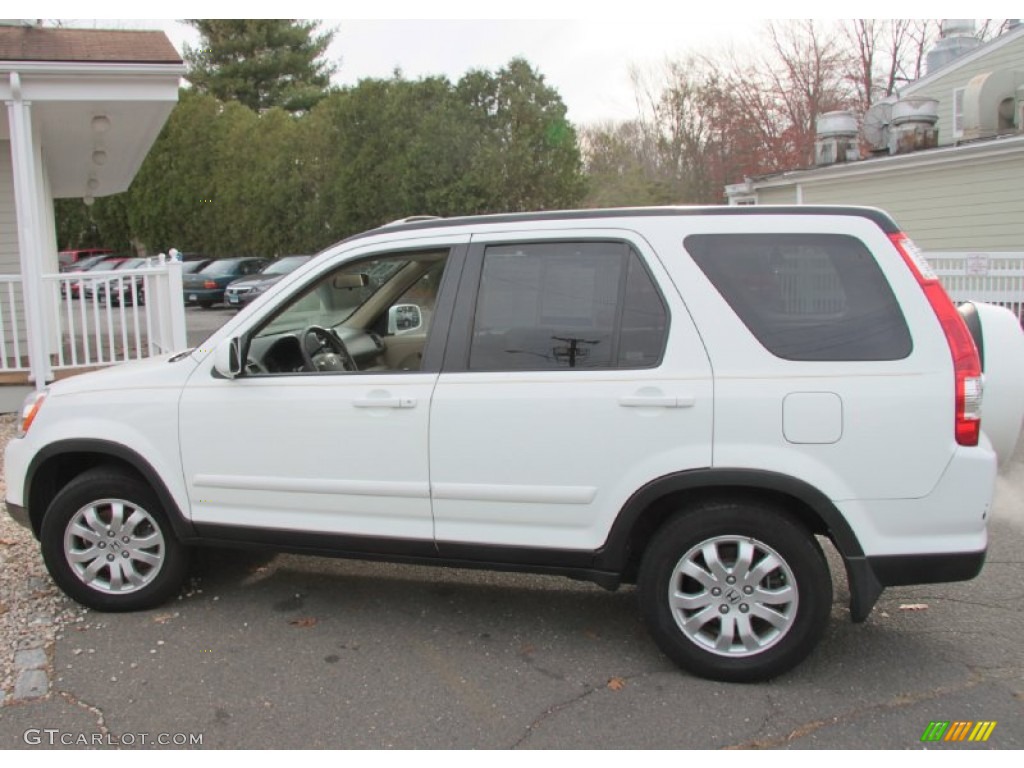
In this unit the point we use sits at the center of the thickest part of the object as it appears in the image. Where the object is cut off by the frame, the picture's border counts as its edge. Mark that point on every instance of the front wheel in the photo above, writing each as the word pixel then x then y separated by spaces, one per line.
pixel 735 592
pixel 108 544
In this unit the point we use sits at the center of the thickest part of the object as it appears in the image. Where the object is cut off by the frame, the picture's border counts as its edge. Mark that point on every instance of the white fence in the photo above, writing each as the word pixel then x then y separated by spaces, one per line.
pixel 994 278
pixel 110 317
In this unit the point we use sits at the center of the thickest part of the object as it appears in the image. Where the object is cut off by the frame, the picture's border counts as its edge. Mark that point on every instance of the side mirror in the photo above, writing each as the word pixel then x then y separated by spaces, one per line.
pixel 404 318
pixel 226 358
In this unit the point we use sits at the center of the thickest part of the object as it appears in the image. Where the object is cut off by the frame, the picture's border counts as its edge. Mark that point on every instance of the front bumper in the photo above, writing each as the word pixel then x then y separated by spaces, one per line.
pixel 198 295
pixel 240 299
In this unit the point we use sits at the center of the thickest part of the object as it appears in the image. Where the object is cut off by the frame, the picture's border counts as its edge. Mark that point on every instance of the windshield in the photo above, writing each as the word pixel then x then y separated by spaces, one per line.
pixel 105 266
pixel 332 300
pixel 83 264
pixel 192 266
pixel 222 267
pixel 285 265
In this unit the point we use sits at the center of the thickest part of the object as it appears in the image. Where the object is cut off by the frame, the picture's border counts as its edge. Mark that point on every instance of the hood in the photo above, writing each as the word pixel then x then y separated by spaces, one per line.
pixel 255 281
pixel 169 370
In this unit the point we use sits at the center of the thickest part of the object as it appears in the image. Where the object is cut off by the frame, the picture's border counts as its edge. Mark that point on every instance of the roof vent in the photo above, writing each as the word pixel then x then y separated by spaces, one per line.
pixel 836 140
pixel 990 103
pixel 876 126
pixel 957 38
pixel 913 125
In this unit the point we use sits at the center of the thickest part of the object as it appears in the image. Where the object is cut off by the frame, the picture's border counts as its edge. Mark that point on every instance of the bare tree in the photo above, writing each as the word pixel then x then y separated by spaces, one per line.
pixel 710 120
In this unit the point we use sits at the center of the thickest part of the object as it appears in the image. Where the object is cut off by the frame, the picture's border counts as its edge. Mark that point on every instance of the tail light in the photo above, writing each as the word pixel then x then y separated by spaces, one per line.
pixel 966 364
pixel 209 284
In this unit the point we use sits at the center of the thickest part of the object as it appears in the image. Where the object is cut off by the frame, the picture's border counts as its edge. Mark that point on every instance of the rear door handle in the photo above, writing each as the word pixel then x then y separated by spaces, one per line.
pixel 657 401
pixel 385 402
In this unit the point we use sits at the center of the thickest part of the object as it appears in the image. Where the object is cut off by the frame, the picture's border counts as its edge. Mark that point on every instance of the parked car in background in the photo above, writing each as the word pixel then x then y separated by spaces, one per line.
pixel 117 290
pixel 72 258
pixel 95 277
pixel 206 287
pixel 242 291
pixel 101 263
pixel 191 267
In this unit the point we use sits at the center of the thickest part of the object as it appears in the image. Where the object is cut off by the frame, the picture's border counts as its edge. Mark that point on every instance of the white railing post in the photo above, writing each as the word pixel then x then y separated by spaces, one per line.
pixel 27 197
pixel 179 338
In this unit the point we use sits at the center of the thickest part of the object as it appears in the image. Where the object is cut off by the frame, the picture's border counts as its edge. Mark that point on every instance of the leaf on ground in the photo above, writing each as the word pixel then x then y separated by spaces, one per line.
pixel 3 609
pixel 307 621
pixel 914 607
pixel 526 649
pixel 616 684
pixel 8 542
pixel 163 618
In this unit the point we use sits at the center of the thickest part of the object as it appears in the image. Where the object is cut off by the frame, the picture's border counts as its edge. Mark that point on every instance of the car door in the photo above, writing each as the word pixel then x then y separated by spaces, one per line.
pixel 571 380
pixel 285 453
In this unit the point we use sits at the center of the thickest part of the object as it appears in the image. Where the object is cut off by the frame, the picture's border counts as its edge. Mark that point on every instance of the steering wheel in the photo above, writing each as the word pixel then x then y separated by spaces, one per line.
pixel 322 350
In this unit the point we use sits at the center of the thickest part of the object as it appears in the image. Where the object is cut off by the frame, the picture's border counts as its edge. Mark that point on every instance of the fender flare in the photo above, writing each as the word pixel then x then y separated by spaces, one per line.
pixel 179 521
pixel 865 587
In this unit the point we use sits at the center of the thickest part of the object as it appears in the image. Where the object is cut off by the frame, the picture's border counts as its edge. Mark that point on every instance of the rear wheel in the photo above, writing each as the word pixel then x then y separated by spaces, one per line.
pixel 735 592
pixel 108 544
pixel 205 304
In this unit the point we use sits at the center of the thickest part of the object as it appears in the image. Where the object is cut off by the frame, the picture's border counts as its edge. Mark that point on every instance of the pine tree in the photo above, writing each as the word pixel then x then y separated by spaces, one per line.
pixel 261 63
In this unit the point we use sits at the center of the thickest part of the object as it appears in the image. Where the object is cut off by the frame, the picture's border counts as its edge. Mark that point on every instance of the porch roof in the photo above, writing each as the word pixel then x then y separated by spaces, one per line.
pixel 29 43
pixel 98 98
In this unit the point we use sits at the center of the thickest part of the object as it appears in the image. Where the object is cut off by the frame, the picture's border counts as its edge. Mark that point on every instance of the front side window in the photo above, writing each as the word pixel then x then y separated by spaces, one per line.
pixel 370 315
pixel 560 306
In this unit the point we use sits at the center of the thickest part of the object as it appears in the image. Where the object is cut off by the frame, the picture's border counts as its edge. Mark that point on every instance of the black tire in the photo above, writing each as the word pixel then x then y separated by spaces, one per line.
pixel 763 622
pixel 206 304
pixel 135 558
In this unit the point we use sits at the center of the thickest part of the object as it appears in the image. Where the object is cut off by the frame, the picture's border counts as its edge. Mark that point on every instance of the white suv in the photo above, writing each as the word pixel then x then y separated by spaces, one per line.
pixel 678 398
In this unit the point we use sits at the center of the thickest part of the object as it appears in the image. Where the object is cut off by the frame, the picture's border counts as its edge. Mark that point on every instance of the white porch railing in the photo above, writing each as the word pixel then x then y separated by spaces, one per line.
pixel 994 278
pixel 108 318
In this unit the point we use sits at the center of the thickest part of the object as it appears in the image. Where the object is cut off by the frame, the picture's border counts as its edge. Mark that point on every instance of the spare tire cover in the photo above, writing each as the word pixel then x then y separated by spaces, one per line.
pixel 1002 408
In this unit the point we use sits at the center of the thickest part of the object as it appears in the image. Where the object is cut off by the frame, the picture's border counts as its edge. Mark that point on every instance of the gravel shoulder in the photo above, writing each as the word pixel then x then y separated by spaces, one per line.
pixel 32 610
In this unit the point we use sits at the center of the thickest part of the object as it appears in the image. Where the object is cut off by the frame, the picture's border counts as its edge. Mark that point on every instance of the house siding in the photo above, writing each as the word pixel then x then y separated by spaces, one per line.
pixel 777 196
pixel 949 207
pixel 1008 56
pixel 9 261
pixel 12 304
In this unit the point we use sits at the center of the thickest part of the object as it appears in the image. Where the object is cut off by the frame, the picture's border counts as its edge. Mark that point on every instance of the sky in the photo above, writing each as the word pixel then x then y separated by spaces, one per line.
pixel 585 51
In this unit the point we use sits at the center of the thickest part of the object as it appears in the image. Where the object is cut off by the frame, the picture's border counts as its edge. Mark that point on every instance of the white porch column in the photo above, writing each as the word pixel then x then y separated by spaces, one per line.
pixel 27 191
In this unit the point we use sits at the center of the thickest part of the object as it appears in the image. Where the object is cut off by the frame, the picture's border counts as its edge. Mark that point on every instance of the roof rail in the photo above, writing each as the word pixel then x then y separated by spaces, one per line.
pixel 409 219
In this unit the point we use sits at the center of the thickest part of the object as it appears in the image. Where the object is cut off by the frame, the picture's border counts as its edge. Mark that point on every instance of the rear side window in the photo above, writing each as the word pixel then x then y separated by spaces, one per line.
pixel 556 306
pixel 806 296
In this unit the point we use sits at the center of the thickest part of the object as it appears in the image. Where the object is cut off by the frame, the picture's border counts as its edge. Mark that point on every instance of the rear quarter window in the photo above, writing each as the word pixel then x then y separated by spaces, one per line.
pixel 806 296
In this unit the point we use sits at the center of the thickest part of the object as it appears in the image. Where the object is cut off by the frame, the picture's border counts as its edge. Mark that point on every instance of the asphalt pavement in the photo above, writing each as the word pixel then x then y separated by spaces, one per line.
pixel 303 652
